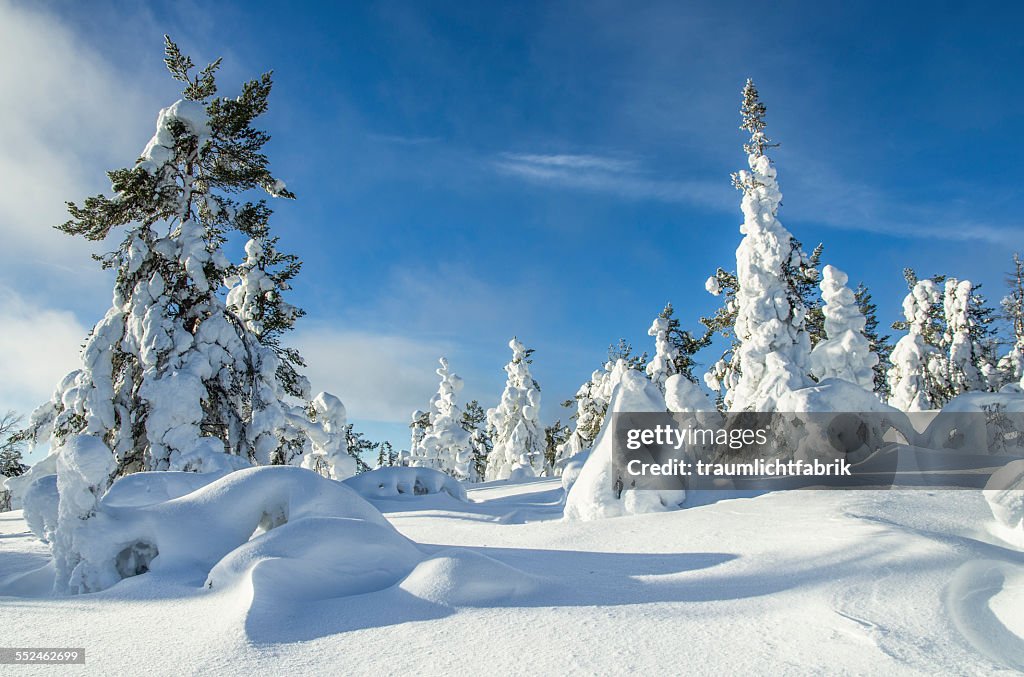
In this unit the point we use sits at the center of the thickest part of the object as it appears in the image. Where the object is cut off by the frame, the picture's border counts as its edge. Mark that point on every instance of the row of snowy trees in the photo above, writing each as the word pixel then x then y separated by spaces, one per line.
pixel 789 323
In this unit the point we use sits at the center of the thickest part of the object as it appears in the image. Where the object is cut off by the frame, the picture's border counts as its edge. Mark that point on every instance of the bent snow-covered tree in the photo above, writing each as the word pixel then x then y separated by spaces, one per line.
pixel 177 371
pixel 772 345
pixel 515 423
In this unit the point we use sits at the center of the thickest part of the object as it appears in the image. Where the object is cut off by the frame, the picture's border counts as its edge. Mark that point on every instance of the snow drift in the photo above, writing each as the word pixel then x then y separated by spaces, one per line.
pixel 594 494
pixel 133 531
pixel 414 481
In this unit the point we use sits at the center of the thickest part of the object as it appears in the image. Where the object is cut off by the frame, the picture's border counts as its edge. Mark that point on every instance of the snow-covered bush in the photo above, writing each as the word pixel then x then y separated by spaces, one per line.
pixel 594 495
pixel 846 353
pixel 445 444
pixel 515 423
pixel 405 482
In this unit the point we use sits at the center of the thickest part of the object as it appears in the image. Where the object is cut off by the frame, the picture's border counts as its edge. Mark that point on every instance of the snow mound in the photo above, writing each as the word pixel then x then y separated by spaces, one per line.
pixel 20 484
pixel 466 578
pixel 41 503
pixel 594 495
pixel 1005 495
pixel 572 469
pixel 318 558
pixel 392 482
pixel 186 536
pixel 147 488
pixel 979 423
pixel 684 396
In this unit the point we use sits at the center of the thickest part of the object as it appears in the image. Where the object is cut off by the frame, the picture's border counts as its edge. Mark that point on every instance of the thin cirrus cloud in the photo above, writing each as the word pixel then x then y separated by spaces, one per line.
pixel 821 196
pixel 622 178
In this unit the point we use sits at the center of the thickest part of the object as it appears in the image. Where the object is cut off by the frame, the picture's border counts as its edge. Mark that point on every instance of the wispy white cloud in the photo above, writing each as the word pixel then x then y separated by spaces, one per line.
pixel 820 195
pixel 379 377
pixel 38 347
pixel 65 112
pixel 623 178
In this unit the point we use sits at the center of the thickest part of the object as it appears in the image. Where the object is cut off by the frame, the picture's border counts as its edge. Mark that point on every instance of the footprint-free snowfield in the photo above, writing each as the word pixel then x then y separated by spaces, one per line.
pixel 850 582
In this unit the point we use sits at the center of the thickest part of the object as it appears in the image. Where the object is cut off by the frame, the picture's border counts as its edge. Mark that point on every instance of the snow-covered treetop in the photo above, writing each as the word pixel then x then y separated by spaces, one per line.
pixel 662 365
pixel 841 310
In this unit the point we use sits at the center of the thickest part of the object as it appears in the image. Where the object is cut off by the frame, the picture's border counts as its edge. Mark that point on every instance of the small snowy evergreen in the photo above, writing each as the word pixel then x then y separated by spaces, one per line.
pixel 445 445
pixel 917 377
pixel 967 360
pixel 845 353
pixel 515 423
pixel 1011 365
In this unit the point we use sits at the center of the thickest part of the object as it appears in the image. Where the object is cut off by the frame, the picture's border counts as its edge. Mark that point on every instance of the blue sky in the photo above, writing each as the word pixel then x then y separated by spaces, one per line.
pixel 470 171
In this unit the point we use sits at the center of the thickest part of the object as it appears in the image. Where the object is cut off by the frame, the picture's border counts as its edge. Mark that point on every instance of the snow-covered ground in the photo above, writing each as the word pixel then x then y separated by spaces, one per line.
pixel 802 582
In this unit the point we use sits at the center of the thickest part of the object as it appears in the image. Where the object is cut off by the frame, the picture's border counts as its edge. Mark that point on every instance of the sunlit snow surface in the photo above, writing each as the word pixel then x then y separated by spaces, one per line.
pixel 888 582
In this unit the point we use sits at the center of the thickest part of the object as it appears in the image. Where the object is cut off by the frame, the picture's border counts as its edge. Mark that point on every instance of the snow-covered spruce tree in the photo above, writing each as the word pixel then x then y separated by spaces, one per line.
pixel 773 345
pixel 385 455
pixel 844 352
pixel 555 435
pixel 474 421
pixel 418 427
pixel 724 373
pixel 1011 365
pixel 663 364
pixel 591 402
pixel 358 448
pixel 623 350
pixel 967 320
pixel 917 378
pixel 808 280
pixel 515 423
pixel 446 446
pixel 172 372
pixel 879 344
pixel 674 348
